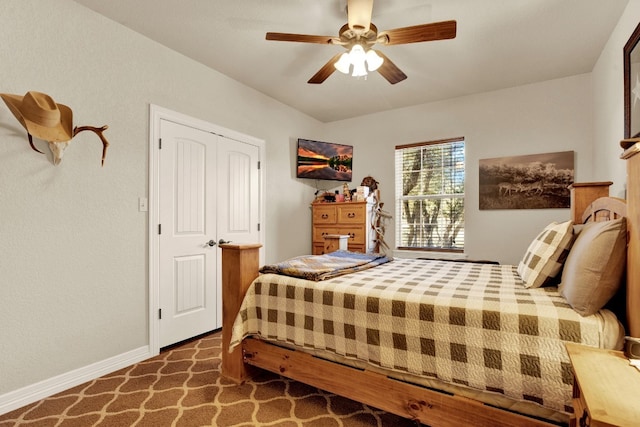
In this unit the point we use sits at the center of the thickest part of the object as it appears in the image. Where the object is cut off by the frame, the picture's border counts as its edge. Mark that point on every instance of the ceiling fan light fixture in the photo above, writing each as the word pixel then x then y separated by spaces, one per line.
pixel 343 64
pixel 359 70
pixel 357 57
pixel 361 61
pixel 374 61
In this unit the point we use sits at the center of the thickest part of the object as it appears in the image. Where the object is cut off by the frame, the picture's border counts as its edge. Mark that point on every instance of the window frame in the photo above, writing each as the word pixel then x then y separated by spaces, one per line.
pixel 400 198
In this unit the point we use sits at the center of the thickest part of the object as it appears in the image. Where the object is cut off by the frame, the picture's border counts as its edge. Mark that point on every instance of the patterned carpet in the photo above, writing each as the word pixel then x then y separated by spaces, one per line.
pixel 182 387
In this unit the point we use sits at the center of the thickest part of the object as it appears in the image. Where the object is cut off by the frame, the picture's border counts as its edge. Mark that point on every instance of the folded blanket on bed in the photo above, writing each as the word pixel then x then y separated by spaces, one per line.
pixel 321 267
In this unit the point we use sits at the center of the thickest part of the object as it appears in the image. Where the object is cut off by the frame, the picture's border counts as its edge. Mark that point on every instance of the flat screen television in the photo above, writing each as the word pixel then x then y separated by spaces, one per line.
pixel 324 160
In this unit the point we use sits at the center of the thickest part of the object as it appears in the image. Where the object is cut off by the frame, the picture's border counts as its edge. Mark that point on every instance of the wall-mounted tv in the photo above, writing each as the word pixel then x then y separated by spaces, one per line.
pixel 324 160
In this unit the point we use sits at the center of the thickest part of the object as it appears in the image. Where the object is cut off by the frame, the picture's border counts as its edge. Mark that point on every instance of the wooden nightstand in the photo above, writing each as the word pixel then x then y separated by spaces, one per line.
pixel 606 389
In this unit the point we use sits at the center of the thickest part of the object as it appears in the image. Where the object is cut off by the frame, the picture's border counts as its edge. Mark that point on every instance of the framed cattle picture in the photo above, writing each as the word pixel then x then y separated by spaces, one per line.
pixel 535 181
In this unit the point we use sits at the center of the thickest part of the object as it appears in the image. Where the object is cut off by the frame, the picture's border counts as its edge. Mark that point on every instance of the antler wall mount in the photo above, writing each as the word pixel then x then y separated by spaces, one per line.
pixel 43 118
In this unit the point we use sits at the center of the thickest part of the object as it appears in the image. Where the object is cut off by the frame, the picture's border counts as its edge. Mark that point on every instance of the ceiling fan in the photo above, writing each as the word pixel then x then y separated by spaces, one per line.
pixel 358 36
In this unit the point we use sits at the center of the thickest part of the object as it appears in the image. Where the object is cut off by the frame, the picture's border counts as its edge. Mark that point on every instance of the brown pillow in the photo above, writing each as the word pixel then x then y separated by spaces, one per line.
pixel 595 266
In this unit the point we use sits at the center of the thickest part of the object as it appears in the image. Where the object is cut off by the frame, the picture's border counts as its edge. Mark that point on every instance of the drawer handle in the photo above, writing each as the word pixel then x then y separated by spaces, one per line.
pixel 324 216
pixel 351 215
pixel 352 235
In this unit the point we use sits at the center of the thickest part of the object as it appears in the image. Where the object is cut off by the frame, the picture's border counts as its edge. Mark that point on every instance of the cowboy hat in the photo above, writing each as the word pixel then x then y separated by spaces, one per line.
pixel 41 116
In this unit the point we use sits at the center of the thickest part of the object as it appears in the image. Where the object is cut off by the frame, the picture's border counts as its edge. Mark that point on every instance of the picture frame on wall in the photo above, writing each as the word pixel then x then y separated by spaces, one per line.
pixel 631 61
pixel 533 181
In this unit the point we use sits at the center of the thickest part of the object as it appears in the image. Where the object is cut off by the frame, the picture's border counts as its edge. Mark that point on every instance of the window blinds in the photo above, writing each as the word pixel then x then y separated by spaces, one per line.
pixel 430 195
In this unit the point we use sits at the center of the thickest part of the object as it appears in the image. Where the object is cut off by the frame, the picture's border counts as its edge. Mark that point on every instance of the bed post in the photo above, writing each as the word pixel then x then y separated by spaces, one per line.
pixel 632 156
pixel 583 193
pixel 239 268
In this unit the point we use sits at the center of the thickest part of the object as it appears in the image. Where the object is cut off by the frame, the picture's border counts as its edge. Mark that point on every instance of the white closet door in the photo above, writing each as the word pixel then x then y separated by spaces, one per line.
pixel 238 197
pixel 187 263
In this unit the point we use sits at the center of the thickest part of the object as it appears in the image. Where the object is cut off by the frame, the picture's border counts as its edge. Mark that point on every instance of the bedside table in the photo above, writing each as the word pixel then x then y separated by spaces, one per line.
pixel 606 389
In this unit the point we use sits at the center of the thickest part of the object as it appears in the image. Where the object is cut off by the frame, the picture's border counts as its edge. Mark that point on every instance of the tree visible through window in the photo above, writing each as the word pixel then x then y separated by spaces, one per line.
pixel 430 195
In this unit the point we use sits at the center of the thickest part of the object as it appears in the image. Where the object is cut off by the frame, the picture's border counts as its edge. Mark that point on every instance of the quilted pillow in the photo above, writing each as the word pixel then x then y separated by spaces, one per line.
pixel 595 266
pixel 544 258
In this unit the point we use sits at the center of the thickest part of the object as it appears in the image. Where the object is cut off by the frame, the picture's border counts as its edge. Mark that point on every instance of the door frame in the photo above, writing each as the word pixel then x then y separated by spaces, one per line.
pixel 156 114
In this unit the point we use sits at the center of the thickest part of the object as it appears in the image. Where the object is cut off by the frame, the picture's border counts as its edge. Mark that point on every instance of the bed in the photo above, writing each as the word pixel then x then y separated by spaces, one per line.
pixel 430 369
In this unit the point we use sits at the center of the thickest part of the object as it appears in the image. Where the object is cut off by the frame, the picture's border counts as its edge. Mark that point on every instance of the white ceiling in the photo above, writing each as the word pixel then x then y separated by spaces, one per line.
pixel 499 44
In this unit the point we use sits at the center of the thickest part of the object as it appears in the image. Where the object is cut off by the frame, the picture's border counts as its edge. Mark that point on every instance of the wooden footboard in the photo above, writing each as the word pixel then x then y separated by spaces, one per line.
pixel 431 407
pixel 239 268
pixel 414 402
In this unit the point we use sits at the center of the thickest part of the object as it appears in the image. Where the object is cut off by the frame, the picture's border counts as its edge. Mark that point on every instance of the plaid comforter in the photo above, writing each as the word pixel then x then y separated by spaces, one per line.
pixel 474 325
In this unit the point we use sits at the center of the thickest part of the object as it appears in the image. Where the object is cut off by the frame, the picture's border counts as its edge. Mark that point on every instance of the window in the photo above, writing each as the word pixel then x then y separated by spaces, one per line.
pixel 430 195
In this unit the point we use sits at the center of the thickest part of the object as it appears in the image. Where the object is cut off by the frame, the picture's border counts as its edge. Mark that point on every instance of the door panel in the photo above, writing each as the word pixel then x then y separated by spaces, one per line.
pixel 189 186
pixel 187 215
pixel 238 207
pixel 239 202
pixel 238 194
pixel 189 284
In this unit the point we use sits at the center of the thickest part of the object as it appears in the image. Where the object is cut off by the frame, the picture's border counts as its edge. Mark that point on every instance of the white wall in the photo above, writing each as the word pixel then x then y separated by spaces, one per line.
pixel 545 117
pixel 73 251
pixel 608 103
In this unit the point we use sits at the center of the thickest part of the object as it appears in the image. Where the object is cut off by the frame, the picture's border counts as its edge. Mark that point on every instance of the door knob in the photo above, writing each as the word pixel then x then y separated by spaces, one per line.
pixel 210 243
pixel 222 241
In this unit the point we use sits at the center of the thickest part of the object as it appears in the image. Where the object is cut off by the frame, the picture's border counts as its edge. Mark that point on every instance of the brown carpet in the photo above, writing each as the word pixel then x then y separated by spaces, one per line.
pixel 182 387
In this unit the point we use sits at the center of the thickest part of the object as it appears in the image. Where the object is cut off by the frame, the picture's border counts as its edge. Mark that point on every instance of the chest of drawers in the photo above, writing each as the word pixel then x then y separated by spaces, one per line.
pixel 348 218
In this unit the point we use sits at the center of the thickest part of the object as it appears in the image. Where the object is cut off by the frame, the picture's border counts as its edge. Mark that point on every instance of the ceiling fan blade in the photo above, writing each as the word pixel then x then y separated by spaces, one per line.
pixel 389 70
pixel 302 38
pixel 419 33
pixel 359 14
pixel 326 70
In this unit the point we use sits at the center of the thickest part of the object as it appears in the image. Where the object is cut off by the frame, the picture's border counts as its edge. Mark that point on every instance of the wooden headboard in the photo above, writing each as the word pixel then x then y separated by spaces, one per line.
pixel 605 209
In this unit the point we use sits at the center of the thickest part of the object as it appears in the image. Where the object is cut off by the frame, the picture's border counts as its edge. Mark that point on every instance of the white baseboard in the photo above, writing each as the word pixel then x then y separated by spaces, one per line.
pixel 34 392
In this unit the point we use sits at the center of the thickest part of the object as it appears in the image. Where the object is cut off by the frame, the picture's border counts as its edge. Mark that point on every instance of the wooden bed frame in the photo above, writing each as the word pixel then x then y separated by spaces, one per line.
pixel 428 406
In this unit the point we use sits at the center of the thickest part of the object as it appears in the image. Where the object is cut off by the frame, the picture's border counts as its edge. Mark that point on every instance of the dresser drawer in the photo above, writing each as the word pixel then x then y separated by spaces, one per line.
pixel 320 232
pixel 356 234
pixel 324 215
pixel 318 249
pixel 351 213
